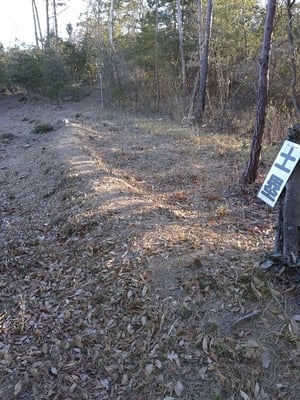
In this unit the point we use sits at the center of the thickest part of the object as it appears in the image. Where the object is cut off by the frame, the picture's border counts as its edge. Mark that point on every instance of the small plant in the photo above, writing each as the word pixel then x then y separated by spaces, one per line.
pixel 43 128
pixel 7 138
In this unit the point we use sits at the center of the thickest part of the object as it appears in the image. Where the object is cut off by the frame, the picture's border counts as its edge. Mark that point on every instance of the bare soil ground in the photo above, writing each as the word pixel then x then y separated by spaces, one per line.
pixel 128 263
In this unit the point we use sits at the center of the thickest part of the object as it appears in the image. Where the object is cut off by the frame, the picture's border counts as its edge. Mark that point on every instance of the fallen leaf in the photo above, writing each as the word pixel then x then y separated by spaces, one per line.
pixel 172 356
pixel 205 344
pixel 202 372
pixel 125 379
pixel 252 343
pixel 148 369
pixel 256 390
pixel 294 327
pixel 266 265
pixel 178 388
pixel 53 370
pixel 18 388
pixel 244 396
pixel 265 360
pixel 73 387
pixel 105 383
pixel 144 291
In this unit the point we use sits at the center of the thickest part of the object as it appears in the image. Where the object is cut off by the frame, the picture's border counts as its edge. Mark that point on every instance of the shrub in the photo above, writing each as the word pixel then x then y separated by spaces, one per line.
pixel 43 128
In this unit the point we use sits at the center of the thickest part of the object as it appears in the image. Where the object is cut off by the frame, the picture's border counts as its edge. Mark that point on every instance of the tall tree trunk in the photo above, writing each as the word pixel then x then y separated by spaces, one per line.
pixel 55 23
pixel 99 61
pixel 48 24
pixel 250 173
pixel 289 5
pixel 204 56
pixel 190 116
pixel 111 27
pixel 195 97
pixel 181 45
pixel 157 83
pixel 111 42
pixel 37 25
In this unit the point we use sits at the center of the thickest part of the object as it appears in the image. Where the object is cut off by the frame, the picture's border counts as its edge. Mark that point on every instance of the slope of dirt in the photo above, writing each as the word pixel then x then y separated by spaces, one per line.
pixel 127 263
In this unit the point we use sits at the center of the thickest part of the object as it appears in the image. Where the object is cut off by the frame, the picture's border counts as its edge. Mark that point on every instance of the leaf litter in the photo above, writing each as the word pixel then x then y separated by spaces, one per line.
pixel 127 264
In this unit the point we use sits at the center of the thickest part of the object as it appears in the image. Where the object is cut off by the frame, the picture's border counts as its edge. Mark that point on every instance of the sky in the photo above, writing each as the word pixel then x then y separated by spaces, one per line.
pixel 16 20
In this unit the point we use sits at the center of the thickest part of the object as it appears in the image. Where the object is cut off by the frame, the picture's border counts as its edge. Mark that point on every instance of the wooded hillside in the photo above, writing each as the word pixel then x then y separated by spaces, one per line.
pixel 150 56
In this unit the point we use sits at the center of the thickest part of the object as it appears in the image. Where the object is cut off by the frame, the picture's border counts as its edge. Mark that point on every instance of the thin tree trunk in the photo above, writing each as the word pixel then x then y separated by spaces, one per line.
pixel 289 5
pixel 101 89
pixel 181 46
pixel 157 83
pixel 111 42
pixel 55 23
pixel 195 98
pixel 37 25
pixel 190 116
pixel 250 173
pixel 204 63
pixel 48 24
pixel 99 62
pixel 111 27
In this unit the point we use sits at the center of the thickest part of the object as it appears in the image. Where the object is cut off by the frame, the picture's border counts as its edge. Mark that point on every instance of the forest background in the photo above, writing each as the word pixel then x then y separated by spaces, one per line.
pixel 147 56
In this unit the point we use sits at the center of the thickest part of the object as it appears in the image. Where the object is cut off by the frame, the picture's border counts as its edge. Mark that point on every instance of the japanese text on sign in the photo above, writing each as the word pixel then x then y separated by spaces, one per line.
pixel 280 172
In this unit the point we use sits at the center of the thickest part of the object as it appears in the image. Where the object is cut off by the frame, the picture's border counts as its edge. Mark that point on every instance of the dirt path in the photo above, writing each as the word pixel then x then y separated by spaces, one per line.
pixel 125 262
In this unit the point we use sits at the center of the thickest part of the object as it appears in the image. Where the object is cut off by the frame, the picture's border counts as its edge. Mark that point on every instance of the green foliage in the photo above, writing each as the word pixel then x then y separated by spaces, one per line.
pixel 7 138
pixel 144 63
pixel 117 92
pixel 43 128
pixel 79 60
pixel 39 71
pixel 54 75
pixel 236 39
pixel 4 79
pixel 23 69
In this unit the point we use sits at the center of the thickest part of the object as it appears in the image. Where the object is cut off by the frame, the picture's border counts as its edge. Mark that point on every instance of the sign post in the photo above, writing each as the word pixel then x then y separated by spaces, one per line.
pixel 280 172
pixel 285 174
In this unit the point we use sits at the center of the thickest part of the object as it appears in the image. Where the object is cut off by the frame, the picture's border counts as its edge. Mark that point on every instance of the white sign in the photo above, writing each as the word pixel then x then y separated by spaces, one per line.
pixel 283 166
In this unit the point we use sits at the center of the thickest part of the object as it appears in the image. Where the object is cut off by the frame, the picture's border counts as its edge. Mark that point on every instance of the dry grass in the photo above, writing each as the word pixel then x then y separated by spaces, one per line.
pixel 133 276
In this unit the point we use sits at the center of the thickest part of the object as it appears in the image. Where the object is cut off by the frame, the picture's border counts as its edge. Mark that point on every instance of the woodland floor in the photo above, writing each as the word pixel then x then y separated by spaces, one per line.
pixel 128 261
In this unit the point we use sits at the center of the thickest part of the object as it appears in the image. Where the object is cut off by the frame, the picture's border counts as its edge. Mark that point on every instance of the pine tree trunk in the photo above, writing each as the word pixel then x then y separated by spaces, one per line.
pixel 112 44
pixel 181 46
pixel 293 58
pixel 204 63
pixel 250 173
pixel 37 25
pixel 48 24
pixel 55 24
pixel 157 82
